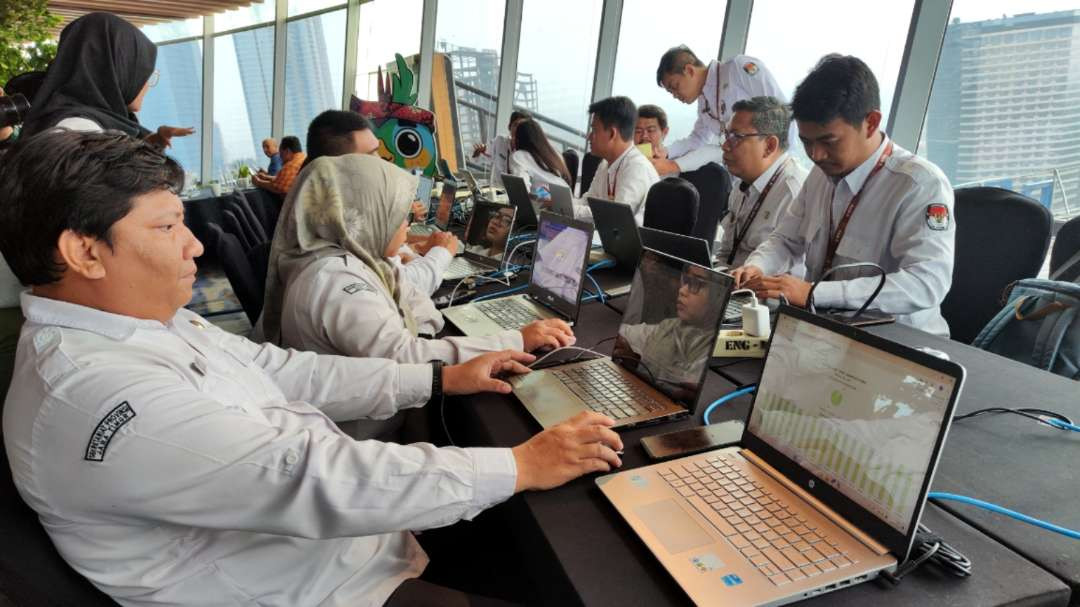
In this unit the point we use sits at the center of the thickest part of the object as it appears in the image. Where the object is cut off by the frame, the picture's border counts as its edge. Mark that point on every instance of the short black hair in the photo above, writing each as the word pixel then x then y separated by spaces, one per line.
pixel 519 115
pixel 674 61
pixel 330 133
pixel 839 86
pixel 291 143
pixel 653 111
pixel 68 180
pixel 618 112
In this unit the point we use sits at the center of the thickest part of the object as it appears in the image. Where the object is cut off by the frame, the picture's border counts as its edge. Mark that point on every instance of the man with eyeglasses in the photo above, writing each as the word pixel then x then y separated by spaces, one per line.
pixel 755 151
pixel 716 87
pixel 867 200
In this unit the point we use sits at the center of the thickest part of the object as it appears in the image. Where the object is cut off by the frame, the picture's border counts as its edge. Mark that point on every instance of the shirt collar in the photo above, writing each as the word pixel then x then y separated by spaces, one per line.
pixel 53 312
pixel 622 157
pixel 297 158
pixel 857 178
pixel 710 85
pixel 763 179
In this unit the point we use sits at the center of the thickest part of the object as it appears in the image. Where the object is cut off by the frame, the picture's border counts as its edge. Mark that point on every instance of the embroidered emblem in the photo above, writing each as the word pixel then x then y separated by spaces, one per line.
pixel 750 68
pixel 937 217
pixel 356 287
pixel 106 430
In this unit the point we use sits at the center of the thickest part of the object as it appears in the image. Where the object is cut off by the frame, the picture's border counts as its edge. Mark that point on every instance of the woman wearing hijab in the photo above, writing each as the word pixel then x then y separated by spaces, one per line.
pixel 330 288
pixel 534 159
pixel 103 68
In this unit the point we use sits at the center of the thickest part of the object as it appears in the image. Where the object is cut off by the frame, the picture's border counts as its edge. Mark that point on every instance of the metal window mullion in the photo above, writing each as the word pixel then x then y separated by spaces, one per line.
pixel 206 131
pixel 736 28
pixel 926 35
pixel 427 53
pixel 352 34
pixel 277 106
pixel 508 63
pixel 607 49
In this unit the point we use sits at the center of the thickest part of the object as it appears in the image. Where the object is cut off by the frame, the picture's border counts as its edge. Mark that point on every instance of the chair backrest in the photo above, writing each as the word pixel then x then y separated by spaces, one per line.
pixel 266 206
pixel 589 164
pixel 1001 237
pixel 238 270
pixel 571 158
pixel 249 220
pixel 713 184
pixel 672 206
pixel 1066 247
pixel 235 227
pixel 259 260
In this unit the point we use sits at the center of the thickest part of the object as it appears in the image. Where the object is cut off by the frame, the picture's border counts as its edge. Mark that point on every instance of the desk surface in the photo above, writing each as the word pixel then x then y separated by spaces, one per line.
pixel 581 551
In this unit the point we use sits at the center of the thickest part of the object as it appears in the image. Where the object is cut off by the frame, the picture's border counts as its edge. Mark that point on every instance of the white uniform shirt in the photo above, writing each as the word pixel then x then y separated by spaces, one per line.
pixel 740 77
pixel 740 203
pixel 179 464
pixel 525 166
pixel 893 227
pixel 499 152
pixel 629 177
pixel 338 305
pixel 425 272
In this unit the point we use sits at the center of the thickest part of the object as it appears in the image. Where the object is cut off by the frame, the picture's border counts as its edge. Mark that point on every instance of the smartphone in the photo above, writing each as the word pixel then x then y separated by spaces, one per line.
pixel 693 440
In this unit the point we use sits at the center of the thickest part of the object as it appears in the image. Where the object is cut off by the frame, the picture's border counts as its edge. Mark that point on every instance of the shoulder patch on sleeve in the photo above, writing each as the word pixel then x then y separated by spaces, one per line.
pixel 105 431
pixel 357 287
pixel 937 216
pixel 750 68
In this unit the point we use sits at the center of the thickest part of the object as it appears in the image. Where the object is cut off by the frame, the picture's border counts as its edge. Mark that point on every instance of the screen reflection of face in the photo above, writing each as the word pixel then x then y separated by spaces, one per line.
pixel 692 302
pixel 498 228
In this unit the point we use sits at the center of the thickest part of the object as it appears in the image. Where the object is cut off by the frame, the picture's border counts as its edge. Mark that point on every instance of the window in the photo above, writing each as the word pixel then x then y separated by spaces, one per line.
pixel 254 14
pixel 177 100
pixel 243 93
pixel 554 81
pixel 300 7
pixel 314 69
pixel 470 33
pixel 173 30
pixel 790 37
pixel 1023 135
pixel 377 43
pixel 649 29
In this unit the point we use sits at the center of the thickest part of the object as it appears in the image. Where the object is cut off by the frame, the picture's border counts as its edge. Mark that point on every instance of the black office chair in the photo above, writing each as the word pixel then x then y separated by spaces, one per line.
pixel 251 226
pixel 259 260
pixel 672 206
pixel 266 207
pixel 1064 264
pixel 244 280
pixel 572 160
pixel 1001 237
pixel 713 184
pixel 589 164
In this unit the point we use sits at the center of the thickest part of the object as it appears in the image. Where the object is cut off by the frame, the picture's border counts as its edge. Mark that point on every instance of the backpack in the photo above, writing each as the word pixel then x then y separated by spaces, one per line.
pixel 1038 326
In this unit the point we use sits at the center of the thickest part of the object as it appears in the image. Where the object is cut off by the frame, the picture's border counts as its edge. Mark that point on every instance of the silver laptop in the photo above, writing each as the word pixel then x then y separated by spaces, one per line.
pixel 487 240
pixel 827 488
pixel 562 199
pixel 443 211
pixel 477 190
pixel 555 283
pixel 659 360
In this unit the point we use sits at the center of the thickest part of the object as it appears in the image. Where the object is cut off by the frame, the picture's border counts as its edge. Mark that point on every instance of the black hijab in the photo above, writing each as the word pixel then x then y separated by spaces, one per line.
pixel 102 62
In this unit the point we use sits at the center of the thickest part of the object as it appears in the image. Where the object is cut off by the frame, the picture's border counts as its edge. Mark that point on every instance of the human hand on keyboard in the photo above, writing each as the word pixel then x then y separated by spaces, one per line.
pixel 549 333
pixel 481 373
pixel 582 444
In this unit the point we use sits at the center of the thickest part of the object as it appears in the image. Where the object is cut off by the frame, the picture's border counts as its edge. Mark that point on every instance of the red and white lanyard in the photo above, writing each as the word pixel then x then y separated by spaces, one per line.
pixel 838 235
pixel 740 234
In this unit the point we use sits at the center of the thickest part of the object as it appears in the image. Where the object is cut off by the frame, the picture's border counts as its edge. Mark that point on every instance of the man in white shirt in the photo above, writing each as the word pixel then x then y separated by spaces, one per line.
pixel 498 150
pixel 173 463
pixel 716 88
pixel 755 151
pixel 867 200
pixel 624 174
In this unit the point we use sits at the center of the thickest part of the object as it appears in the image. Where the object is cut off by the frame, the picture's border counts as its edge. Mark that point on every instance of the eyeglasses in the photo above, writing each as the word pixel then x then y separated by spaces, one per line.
pixel 154 77
pixel 733 139
pixel 502 220
pixel 692 283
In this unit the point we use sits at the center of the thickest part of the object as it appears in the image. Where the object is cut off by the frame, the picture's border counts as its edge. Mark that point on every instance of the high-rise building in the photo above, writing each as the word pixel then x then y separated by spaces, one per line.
pixel 177 100
pixel 1004 107
pixel 309 82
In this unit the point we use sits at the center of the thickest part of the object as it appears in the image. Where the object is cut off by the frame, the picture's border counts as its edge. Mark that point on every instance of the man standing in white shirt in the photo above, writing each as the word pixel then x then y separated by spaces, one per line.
pixel 716 88
pixel 867 200
pixel 755 151
pixel 498 150
pixel 624 174
pixel 173 463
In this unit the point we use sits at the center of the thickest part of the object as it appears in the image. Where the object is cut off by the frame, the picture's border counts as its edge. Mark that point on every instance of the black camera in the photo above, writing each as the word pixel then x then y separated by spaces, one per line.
pixel 13 110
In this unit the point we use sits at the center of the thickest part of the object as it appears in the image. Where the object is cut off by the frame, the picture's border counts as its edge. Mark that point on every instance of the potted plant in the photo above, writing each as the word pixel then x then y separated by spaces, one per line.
pixel 243 176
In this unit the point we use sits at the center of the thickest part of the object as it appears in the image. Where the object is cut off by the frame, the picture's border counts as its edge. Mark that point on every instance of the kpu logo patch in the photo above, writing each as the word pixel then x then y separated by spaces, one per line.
pixel 106 430
pixel 356 287
pixel 937 217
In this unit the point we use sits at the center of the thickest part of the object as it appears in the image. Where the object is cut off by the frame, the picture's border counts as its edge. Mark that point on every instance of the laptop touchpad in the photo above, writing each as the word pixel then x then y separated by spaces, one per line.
pixel 673 526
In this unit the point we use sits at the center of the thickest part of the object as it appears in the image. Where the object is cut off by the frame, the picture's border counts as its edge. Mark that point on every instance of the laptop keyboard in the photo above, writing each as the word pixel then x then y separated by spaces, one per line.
pixel 783 545
pixel 462 267
pixel 508 313
pixel 605 390
pixel 733 311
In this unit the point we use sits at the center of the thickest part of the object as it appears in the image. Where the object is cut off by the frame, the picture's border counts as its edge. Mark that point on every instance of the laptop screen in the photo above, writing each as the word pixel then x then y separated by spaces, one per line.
pixel 670 322
pixel 562 247
pixel 489 231
pixel 861 419
pixel 446 206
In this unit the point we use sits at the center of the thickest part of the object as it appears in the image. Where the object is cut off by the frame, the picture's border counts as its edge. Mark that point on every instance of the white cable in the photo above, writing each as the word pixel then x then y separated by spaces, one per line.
pixel 506 262
pixel 537 361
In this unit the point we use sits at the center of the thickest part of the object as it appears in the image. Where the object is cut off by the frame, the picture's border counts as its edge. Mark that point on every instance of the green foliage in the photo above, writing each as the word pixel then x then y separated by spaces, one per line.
pixel 243 171
pixel 26 38
pixel 401 82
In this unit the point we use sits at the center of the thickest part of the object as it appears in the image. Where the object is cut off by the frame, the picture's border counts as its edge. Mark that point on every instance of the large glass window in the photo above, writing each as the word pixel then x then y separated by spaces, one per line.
pixel 1003 110
pixel 243 94
pixel 299 7
pixel 163 32
pixel 377 43
pixel 554 80
pixel 253 14
pixel 470 33
pixel 176 100
pixel 649 29
pixel 314 68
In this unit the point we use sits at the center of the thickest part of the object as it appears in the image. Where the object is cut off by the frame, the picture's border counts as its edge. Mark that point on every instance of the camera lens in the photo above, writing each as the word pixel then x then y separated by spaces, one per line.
pixel 13 110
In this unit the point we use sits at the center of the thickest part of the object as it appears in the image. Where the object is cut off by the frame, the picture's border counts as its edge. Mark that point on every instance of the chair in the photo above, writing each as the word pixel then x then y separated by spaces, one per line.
pixel 713 184
pixel 572 160
pixel 589 164
pixel 1063 266
pixel 672 206
pixel 266 207
pixel 1001 237
pixel 249 220
pixel 237 228
pixel 244 281
pixel 259 260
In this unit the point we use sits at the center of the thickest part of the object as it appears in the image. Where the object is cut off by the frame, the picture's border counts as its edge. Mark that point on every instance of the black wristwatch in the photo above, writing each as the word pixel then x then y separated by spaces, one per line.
pixel 436 380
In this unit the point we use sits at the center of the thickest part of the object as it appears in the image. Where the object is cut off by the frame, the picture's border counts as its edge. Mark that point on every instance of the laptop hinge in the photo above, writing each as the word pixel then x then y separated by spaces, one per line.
pixel 536 300
pixel 827 512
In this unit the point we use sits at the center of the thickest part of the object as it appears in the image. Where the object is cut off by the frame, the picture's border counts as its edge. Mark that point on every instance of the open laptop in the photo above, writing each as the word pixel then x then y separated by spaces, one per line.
pixel 518 194
pixel 443 212
pixel 555 283
pixel 659 361
pixel 474 187
pixel 562 199
pixel 487 240
pixel 691 249
pixel 619 236
pixel 827 488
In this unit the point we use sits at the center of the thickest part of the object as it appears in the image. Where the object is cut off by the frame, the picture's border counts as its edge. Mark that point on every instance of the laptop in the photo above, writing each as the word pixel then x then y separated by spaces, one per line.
pixel 619 237
pixel 562 199
pixel 827 487
pixel 477 191
pixel 555 283
pixel 659 360
pixel 486 241
pixel 691 249
pixel 443 212
pixel 518 194
pixel 444 169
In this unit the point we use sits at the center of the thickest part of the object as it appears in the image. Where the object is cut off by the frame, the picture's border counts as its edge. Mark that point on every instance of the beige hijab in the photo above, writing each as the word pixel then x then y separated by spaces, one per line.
pixel 345 204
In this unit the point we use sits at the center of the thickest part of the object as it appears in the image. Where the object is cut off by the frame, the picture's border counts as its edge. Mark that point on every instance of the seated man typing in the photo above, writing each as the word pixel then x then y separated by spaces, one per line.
pixel 173 463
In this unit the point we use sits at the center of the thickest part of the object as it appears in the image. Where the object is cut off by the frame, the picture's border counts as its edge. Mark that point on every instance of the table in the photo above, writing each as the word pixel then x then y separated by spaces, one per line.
pixel 581 552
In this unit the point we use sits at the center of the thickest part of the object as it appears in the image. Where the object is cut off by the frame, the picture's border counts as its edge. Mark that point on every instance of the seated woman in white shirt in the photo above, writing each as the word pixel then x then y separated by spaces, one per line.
pixel 534 159
pixel 330 288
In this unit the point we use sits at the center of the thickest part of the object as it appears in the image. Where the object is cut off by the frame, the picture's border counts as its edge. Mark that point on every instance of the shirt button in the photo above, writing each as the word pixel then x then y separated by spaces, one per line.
pixel 291 458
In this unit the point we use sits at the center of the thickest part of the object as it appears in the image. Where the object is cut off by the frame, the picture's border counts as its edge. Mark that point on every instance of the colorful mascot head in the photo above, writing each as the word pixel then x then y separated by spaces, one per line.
pixel 406 133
